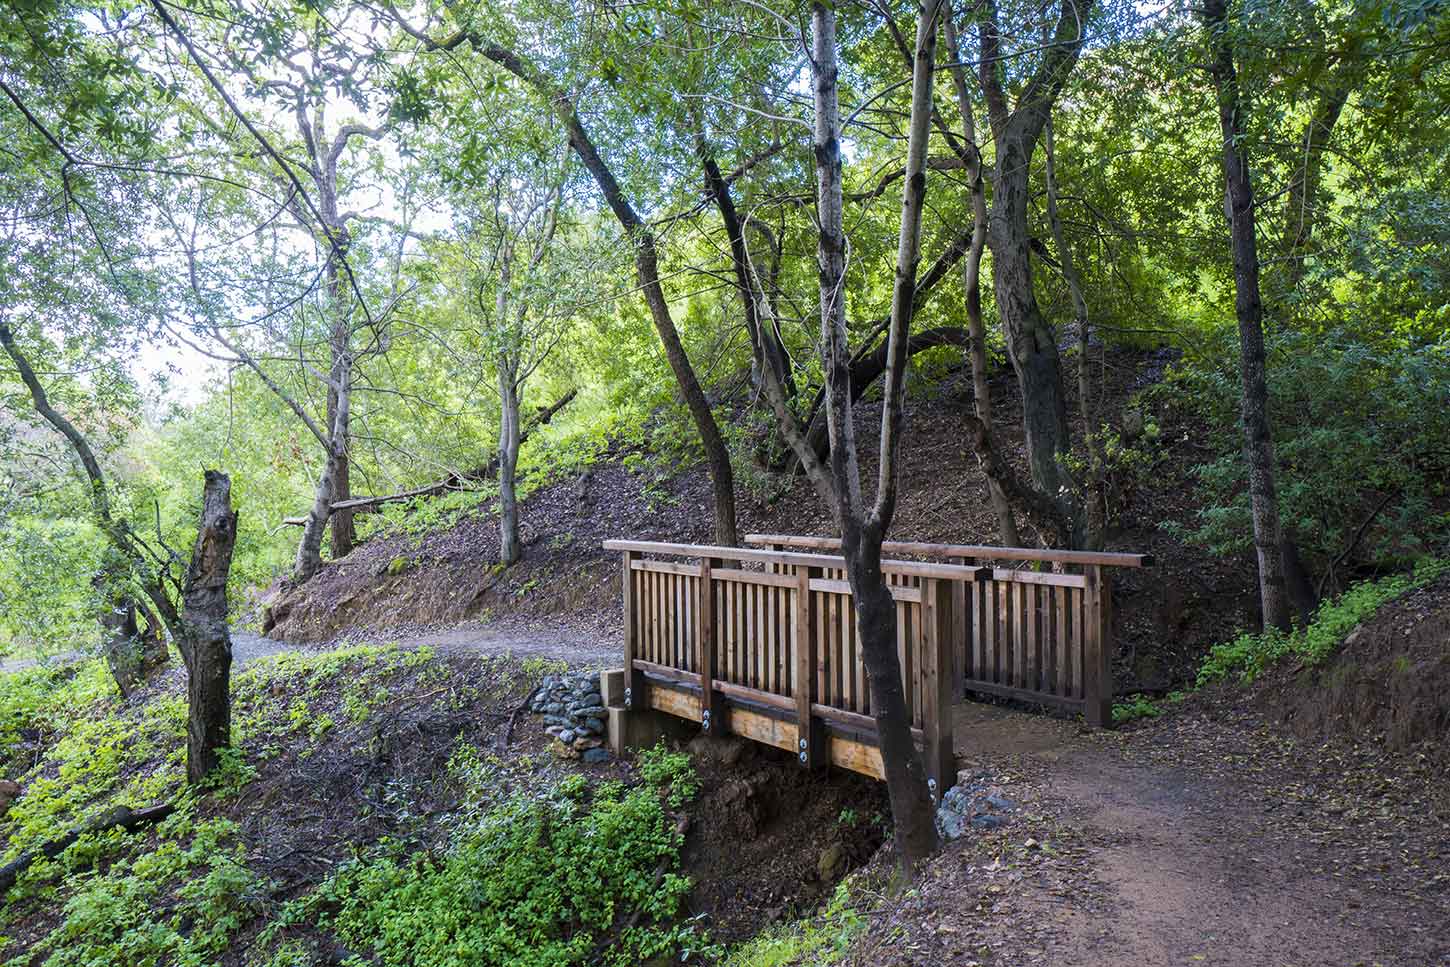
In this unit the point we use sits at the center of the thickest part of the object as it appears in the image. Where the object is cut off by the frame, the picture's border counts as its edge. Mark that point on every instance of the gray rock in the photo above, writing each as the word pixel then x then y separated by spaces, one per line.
pixel 989 821
pixel 1000 803
pixel 594 725
pixel 595 755
pixel 594 711
pixel 554 729
pixel 557 720
pixel 567 736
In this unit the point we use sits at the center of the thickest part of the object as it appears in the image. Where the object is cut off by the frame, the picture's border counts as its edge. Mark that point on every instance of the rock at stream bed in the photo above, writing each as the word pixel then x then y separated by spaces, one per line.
pixel 974 803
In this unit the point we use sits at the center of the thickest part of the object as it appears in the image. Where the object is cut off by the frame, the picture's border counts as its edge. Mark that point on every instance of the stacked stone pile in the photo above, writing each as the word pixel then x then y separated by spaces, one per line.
pixel 574 714
pixel 975 802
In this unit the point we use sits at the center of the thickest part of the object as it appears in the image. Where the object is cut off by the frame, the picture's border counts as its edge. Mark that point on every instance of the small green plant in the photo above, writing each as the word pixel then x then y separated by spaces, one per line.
pixel 670 772
pixel 823 939
pixel 1135 707
pixel 1248 655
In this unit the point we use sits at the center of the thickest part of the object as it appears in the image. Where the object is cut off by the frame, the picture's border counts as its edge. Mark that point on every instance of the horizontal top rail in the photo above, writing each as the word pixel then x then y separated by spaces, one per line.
pixel 950 572
pixel 985 551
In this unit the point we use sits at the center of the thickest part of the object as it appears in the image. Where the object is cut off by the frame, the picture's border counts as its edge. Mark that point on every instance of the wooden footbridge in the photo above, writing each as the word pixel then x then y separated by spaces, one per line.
pixel 761 641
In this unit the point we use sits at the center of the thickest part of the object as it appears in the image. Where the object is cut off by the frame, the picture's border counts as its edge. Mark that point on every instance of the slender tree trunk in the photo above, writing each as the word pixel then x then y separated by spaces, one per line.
pixel 862 531
pixel 972 283
pixel 646 260
pixel 766 348
pixel 1239 209
pixel 344 531
pixel 1095 511
pixel 207 648
pixel 309 548
pixel 509 548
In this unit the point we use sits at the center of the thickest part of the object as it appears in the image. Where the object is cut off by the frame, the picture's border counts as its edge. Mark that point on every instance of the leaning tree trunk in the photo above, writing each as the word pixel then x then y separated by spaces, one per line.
pixel 206 644
pixel 646 261
pixel 1248 306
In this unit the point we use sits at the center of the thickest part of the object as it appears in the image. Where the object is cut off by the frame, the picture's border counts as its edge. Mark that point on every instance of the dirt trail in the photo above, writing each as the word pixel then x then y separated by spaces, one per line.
pixel 1199 868
pixel 563 643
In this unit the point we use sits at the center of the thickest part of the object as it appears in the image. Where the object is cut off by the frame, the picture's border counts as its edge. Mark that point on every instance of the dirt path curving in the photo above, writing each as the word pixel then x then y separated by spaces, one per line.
pixel 1218 843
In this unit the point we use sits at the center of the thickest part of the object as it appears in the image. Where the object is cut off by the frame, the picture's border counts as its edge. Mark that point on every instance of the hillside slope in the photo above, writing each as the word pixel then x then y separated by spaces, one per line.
pixel 1166 616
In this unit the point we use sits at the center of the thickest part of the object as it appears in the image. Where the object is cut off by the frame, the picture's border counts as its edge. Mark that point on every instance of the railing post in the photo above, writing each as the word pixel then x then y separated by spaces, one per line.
pixel 939 682
pixel 810 731
pixel 1097 647
pixel 712 718
pixel 962 629
pixel 634 696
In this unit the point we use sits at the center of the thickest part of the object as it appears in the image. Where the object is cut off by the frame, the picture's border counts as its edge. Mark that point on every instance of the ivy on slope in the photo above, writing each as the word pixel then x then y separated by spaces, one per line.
pixel 1246 657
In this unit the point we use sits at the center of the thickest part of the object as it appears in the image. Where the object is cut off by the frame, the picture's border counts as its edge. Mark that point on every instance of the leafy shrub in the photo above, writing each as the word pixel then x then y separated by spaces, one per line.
pixel 1246 656
pixel 1354 422
pixel 178 902
pixel 558 880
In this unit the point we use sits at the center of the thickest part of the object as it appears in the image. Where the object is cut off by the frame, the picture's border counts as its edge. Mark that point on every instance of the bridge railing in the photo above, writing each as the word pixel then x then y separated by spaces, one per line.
pixel 763 643
pixel 1030 634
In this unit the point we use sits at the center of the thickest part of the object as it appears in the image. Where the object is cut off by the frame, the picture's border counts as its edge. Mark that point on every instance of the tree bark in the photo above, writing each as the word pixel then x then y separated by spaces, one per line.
pixel 132 656
pixel 862 531
pixel 1248 306
pixel 309 548
pixel 1094 509
pixel 972 283
pixel 509 550
pixel 207 646
pixel 1031 339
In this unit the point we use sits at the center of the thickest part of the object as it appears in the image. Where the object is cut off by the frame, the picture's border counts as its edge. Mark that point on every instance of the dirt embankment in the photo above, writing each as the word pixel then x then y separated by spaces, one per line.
pixel 1166 617
pixel 1388 683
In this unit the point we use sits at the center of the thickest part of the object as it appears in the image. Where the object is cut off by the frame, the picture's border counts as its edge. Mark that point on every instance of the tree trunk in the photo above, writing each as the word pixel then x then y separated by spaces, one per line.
pixel 972 282
pixel 646 260
pixel 121 644
pixel 1094 506
pixel 1239 209
pixel 765 342
pixel 309 548
pixel 862 532
pixel 207 645
pixel 344 531
pixel 1031 339
pixel 509 548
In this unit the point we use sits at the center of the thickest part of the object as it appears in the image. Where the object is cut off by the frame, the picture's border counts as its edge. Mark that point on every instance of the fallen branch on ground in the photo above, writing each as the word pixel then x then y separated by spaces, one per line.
pixel 120 817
